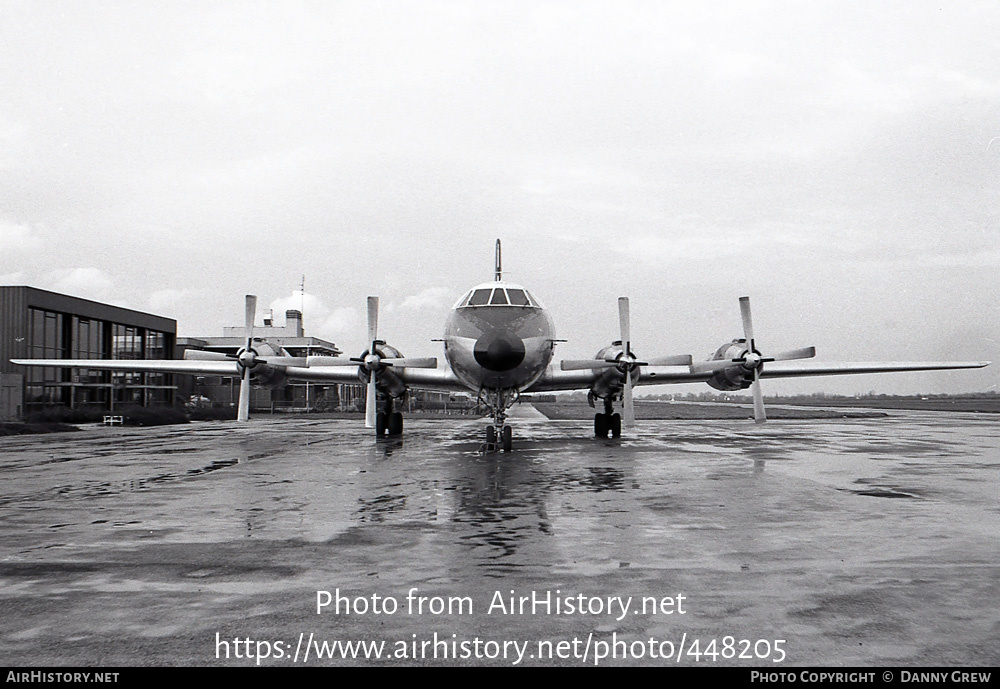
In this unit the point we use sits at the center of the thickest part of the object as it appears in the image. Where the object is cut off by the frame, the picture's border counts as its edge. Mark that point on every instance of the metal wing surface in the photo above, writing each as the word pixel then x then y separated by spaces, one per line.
pixel 196 368
pixel 781 369
pixel 555 379
pixel 419 378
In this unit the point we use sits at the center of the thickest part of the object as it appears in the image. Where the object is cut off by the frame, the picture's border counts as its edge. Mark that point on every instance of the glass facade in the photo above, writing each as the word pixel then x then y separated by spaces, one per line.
pixel 46 385
pixel 54 335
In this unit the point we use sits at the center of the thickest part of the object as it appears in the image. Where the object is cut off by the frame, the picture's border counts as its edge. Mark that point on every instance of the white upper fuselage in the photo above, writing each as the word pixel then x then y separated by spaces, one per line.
pixel 498 336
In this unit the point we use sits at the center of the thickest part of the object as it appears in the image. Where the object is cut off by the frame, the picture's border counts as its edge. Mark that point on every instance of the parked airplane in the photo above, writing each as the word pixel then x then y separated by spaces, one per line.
pixel 498 343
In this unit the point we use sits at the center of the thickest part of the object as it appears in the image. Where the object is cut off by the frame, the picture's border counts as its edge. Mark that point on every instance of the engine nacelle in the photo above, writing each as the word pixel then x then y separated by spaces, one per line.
pixel 734 377
pixel 387 379
pixel 611 379
pixel 264 374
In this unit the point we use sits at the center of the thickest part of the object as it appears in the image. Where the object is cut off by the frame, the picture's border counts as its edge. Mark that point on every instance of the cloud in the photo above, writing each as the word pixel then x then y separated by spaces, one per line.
pixel 430 298
pixel 169 302
pixel 319 319
pixel 18 237
pixel 176 154
pixel 88 283
pixel 340 323
pixel 14 143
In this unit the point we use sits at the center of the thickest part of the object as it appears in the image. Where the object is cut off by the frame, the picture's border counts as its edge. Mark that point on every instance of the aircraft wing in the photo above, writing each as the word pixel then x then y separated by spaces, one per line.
pixel 426 379
pixel 442 379
pixel 195 368
pixel 789 369
pixel 422 378
pixel 555 379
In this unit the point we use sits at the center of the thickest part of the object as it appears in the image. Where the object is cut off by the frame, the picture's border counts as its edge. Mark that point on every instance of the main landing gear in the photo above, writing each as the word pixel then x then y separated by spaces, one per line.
pixel 609 421
pixel 387 421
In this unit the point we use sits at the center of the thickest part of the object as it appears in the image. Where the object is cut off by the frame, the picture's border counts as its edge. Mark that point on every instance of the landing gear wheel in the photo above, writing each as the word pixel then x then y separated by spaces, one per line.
pixel 616 425
pixel 507 438
pixel 380 424
pixel 395 423
pixel 491 435
pixel 601 425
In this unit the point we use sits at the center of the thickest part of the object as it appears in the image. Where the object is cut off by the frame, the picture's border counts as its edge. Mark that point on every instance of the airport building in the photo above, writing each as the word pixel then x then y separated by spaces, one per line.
pixel 273 396
pixel 38 324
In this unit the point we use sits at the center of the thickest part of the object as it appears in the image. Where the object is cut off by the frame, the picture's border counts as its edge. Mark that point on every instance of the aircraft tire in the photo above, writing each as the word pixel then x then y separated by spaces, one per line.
pixel 601 425
pixel 395 423
pixel 380 424
pixel 508 438
pixel 491 435
pixel 616 425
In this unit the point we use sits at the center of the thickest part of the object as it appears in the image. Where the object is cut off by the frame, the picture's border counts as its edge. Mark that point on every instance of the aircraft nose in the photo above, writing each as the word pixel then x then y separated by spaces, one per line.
pixel 499 352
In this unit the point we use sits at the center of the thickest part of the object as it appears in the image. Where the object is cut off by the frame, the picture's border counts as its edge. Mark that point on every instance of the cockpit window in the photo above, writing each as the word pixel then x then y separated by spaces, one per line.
pixel 480 297
pixel 498 296
pixel 517 297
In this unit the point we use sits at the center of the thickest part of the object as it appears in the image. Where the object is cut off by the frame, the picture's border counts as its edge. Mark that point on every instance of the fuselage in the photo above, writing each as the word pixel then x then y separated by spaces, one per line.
pixel 499 337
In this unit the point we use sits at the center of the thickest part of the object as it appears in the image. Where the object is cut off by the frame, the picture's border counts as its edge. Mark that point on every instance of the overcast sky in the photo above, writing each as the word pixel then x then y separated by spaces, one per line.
pixel 831 160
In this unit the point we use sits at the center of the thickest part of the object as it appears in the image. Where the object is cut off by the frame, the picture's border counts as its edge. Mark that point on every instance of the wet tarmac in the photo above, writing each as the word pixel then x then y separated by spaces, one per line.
pixel 866 542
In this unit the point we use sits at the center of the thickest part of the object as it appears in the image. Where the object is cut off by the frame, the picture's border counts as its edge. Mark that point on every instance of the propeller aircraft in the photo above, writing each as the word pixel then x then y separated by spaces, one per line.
pixel 499 342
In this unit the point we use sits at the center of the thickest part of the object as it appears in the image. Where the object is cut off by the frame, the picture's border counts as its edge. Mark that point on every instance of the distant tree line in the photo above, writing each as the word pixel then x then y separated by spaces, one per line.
pixel 709 396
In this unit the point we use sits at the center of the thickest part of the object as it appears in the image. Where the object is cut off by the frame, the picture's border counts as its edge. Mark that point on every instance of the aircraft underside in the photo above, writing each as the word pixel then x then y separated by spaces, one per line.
pixel 496 402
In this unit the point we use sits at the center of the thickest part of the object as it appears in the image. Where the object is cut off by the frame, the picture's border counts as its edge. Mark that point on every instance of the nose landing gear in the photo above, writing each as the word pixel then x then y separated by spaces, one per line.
pixel 498 435
pixel 504 440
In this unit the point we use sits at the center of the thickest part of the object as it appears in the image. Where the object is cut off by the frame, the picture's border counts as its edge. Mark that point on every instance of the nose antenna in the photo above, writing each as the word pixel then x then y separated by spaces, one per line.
pixel 499 271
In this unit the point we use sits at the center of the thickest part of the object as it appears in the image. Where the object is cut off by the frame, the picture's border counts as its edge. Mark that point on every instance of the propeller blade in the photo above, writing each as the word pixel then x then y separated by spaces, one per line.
pixel 629 416
pixel 370 401
pixel 804 353
pixel 624 323
pixel 372 320
pixel 243 411
pixel 675 360
pixel 412 362
pixel 251 313
pixel 758 399
pixel 747 321
pixel 584 364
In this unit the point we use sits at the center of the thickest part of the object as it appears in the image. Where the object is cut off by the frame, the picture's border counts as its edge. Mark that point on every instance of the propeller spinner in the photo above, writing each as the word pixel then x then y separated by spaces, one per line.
pixel 752 361
pixel 247 359
pixel 625 361
pixel 373 362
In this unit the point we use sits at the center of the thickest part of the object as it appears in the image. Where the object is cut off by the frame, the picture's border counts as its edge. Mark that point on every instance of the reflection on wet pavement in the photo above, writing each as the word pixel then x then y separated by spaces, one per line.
pixel 767 529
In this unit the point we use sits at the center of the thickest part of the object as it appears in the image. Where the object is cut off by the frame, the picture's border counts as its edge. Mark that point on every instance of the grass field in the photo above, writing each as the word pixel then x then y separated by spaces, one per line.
pixel 989 405
pixel 697 410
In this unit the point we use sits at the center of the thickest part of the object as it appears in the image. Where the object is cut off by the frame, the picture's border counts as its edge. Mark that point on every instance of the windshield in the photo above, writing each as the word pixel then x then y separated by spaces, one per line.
pixel 480 297
pixel 498 296
pixel 518 297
